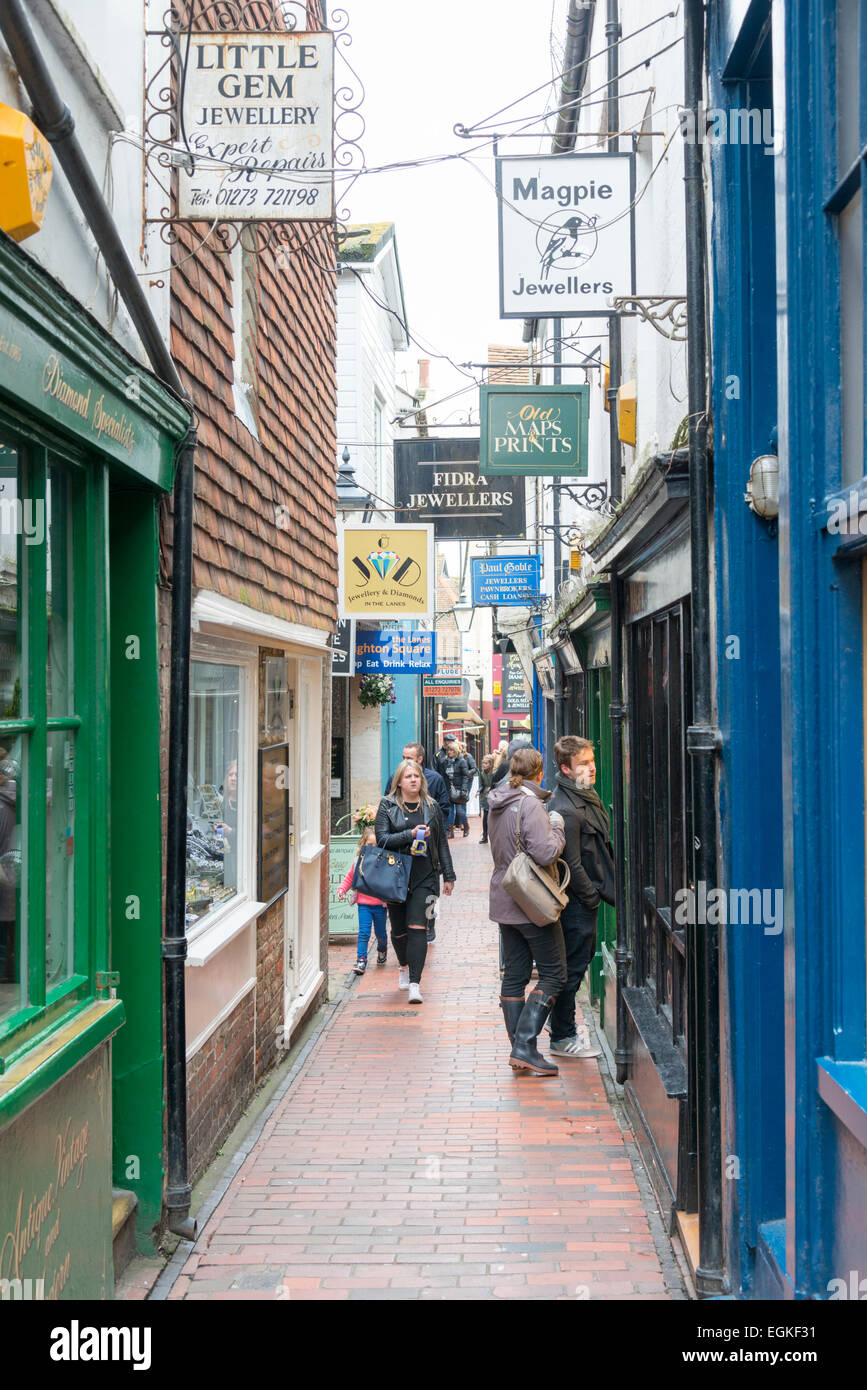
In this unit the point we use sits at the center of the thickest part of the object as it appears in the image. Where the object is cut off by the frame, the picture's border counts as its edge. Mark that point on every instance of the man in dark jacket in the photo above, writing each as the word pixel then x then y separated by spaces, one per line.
pixel 435 783
pixel 590 858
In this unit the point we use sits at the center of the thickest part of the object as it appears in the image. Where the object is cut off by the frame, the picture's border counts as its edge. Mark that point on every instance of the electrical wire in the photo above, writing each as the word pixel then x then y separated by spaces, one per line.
pixel 468 130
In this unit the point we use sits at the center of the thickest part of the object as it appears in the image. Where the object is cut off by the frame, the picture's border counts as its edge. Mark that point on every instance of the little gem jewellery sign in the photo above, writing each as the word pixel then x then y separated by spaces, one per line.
pixel 537 431
pixel 386 572
pixel 258 119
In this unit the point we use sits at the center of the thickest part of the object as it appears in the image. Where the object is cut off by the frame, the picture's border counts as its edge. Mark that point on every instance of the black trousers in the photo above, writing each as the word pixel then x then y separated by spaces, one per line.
pixel 579 935
pixel 524 943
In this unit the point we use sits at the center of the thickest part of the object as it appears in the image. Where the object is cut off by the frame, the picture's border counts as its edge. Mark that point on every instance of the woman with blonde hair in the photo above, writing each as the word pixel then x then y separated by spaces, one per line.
pixel 542 837
pixel 409 820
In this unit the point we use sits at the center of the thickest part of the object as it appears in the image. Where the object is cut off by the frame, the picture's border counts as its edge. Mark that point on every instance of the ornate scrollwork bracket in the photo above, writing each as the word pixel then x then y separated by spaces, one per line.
pixel 163 144
pixel 655 309
pixel 593 496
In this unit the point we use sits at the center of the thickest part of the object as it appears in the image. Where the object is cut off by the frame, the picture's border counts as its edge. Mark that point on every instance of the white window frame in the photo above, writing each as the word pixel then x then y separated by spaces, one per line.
pixel 243 905
pixel 309 758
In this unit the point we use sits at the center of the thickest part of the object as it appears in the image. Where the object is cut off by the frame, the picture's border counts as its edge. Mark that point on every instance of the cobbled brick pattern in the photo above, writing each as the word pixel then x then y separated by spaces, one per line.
pixel 408 1161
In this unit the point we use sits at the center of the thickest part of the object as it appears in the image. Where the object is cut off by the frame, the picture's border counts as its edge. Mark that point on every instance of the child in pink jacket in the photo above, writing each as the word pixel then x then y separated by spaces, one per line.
pixel 371 913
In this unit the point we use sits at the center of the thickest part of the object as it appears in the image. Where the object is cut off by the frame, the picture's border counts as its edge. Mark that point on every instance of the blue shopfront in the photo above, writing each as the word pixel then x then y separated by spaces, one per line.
pixel 788 350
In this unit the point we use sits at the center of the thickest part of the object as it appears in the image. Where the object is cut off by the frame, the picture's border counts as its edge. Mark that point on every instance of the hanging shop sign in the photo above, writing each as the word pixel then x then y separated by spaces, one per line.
pixel 438 480
pixel 511 691
pixel 536 431
pixel 386 572
pixel 25 174
pixel 445 684
pixel 567 241
pixel 257 125
pixel 343 649
pixel 506 579
pixel 394 653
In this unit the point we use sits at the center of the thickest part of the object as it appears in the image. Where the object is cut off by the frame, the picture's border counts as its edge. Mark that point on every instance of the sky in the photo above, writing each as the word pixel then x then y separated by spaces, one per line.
pixel 426 67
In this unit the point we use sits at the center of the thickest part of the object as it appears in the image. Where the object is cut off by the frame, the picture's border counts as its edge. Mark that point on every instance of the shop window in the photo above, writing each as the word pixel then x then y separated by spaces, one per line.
pixel 219 788
pixel 48 845
pixel 311 756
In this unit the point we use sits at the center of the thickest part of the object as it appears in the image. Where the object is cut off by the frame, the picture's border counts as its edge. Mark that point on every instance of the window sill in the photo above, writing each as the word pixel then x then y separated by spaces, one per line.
pixel 843 1088
pixel 49 1061
pixel 211 939
pixel 308 853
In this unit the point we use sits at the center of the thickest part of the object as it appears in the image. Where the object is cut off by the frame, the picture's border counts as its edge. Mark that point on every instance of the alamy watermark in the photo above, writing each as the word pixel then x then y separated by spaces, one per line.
pixel 719 907
pixel 734 126
pixel 23 517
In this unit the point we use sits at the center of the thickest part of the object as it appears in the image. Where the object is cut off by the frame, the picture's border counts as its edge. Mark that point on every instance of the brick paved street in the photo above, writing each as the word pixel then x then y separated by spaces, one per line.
pixel 407 1160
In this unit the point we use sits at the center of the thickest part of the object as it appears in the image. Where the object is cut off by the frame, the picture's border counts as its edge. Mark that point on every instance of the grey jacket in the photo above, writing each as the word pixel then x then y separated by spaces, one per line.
pixel 543 841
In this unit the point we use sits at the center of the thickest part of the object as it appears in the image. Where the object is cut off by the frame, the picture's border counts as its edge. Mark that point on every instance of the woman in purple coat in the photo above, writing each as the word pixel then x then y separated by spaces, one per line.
pixel 543 839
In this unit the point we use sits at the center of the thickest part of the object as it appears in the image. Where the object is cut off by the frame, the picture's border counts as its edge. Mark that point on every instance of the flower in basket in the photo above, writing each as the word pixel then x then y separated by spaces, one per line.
pixel 376 690
pixel 364 817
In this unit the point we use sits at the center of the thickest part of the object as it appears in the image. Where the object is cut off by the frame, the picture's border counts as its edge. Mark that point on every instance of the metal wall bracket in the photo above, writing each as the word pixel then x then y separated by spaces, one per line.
pixel 655 309
pixel 703 738
pixel 174 948
pixel 593 496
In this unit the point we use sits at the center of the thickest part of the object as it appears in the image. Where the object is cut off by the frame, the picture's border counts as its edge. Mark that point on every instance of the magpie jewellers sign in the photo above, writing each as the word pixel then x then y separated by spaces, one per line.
pixel 439 480
pixel 567 240
pixel 258 124
pixel 540 431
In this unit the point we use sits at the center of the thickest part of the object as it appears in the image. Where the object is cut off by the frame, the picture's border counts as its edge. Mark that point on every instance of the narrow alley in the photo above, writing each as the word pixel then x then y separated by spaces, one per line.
pixel 407 1161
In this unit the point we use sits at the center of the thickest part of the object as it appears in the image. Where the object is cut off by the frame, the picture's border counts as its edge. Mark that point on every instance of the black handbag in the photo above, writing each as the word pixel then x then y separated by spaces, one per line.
pixel 457 798
pixel 382 873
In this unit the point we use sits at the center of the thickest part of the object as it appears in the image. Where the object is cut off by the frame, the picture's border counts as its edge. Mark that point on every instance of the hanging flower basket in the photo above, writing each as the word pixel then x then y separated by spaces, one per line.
pixel 376 690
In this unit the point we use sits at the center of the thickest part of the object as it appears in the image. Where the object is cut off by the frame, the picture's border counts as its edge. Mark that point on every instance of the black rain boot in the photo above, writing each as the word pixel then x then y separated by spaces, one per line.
pixel 512 1008
pixel 525 1056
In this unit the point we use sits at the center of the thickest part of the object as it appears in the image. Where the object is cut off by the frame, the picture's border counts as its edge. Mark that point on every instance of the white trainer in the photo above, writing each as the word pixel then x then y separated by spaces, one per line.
pixel 415 995
pixel 573 1047
pixel 403 977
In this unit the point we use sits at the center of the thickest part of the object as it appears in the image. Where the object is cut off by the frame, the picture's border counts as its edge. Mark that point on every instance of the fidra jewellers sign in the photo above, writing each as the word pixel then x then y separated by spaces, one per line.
pixel 539 431
pixel 566 234
pixel 258 122
pixel 439 480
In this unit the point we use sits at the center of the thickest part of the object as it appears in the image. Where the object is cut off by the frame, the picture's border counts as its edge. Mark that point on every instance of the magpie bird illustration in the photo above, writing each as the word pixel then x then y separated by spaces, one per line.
pixel 563 242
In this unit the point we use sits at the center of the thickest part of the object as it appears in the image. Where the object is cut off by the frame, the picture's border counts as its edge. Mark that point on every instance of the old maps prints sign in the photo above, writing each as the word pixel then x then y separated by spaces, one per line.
pixel 386 572
pixel 566 234
pixel 534 430
pixel 258 123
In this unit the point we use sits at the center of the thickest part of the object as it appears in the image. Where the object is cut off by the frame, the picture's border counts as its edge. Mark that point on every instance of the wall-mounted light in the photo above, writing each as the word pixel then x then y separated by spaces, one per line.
pixel 763 489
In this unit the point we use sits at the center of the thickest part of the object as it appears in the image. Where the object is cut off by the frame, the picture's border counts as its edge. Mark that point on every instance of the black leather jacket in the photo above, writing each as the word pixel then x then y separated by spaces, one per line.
pixel 393 832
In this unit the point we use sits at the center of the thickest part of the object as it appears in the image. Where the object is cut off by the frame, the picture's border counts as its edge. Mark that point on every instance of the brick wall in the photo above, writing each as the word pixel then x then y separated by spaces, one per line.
pixel 220 1081
pixel 269 986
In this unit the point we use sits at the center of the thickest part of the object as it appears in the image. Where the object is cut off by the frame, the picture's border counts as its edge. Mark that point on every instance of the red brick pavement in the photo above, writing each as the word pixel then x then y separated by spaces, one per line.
pixel 408 1161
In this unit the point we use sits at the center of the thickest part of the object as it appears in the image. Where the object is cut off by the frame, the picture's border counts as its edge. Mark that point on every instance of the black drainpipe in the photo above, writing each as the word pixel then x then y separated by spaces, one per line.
pixel 54 120
pixel 703 738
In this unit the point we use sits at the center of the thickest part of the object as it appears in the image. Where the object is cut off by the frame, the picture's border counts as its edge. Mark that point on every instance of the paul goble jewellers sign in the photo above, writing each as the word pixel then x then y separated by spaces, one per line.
pixel 258 119
pixel 566 233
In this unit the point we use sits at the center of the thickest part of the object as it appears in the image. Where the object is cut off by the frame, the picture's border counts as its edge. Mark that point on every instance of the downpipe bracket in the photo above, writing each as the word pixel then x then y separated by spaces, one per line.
pixel 703 738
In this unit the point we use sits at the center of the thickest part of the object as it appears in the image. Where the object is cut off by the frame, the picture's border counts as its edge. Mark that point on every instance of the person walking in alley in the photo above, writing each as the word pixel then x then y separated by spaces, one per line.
pixel 458 780
pixel 590 857
pixel 522 942
pixel 371 912
pixel 501 772
pixel 435 783
pixel 486 777
pixel 408 810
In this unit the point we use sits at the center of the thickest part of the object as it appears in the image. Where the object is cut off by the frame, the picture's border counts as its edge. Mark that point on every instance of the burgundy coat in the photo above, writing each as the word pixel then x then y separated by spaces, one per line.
pixel 541 840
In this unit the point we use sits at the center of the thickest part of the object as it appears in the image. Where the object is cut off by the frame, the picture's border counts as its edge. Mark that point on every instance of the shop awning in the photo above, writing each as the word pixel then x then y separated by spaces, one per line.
pixel 464 716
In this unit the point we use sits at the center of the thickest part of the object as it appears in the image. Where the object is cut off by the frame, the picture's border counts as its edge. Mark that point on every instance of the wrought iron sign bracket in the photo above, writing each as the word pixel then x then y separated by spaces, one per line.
pixel 593 496
pixel 655 309
pixel 163 138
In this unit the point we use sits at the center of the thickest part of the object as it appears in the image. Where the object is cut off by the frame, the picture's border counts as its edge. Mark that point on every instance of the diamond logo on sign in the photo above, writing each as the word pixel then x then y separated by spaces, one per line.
pixel 383 561
pixel 567 244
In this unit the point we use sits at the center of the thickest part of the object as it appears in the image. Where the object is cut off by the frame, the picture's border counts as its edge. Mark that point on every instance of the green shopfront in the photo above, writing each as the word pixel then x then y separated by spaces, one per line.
pixel 87 447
